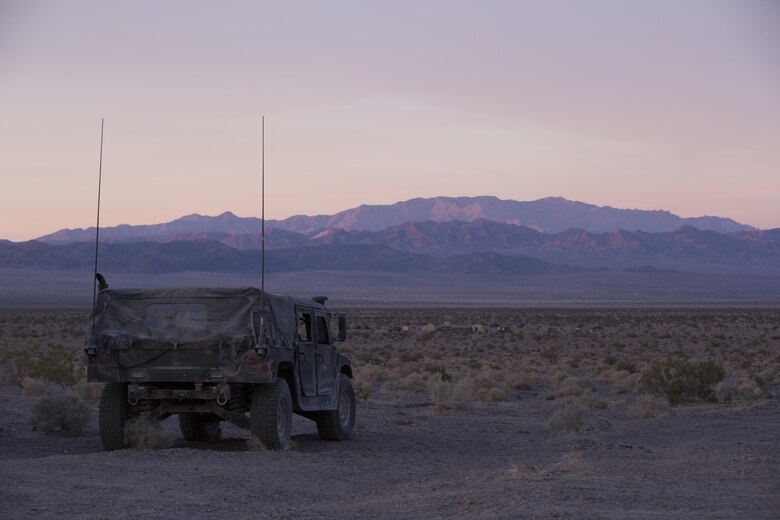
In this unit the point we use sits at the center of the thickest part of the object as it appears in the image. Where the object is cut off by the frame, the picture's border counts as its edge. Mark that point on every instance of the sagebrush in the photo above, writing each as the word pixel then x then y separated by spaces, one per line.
pixel 682 380
pixel 59 413
pixel 57 364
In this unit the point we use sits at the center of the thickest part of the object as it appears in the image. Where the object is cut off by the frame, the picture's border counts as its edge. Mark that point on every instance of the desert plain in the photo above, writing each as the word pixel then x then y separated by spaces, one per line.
pixel 462 412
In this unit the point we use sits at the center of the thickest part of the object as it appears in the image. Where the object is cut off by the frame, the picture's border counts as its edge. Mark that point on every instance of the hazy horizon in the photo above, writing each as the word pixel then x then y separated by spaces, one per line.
pixel 657 106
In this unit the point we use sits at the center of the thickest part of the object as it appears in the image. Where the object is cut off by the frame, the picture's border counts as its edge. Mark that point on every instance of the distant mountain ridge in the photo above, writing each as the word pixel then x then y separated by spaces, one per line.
pixel 464 235
pixel 209 256
pixel 479 246
pixel 226 223
pixel 548 215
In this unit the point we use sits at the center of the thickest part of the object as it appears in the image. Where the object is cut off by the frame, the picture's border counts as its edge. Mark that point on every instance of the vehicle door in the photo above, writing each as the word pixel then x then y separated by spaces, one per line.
pixel 306 352
pixel 326 365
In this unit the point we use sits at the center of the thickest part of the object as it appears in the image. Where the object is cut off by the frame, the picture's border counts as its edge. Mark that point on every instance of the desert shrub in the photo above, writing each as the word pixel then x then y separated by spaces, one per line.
pixel 491 394
pixel 621 381
pixel 570 386
pixel 365 356
pixel 142 433
pixel 399 379
pixel 521 380
pixel 440 393
pixel 551 355
pixel 681 380
pixel 6 353
pixel 56 364
pixel 488 389
pixel 410 357
pixel 440 371
pixel 762 381
pixel 371 374
pixel 628 366
pixel 590 400
pixel 362 389
pixel 447 396
pixel 567 419
pixel 743 386
pixel 36 388
pixel 59 413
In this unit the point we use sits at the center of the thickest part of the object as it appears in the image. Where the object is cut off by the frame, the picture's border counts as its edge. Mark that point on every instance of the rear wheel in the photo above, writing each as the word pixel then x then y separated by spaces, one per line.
pixel 199 427
pixel 270 414
pixel 113 416
pixel 339 424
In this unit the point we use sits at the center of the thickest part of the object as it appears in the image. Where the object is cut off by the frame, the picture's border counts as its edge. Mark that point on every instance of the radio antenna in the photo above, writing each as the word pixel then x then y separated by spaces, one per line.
pixel 262 205
pixel 97 224
pixel 262 228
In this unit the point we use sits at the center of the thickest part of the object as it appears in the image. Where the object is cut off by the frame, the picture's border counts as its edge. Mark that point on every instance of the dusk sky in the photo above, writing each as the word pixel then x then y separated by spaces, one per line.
pixel 654 105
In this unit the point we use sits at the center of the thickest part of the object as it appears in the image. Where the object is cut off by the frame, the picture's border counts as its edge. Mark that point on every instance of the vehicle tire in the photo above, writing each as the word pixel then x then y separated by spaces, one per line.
pixel 270 414
pixel 200 427
pixel 339 424
pixel 113 415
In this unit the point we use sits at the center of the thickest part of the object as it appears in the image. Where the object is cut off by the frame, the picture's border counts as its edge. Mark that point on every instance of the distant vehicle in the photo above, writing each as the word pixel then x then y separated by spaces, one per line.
pixel 216 354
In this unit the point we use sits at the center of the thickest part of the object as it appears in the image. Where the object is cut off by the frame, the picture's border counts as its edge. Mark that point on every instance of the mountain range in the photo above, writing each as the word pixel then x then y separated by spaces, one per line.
pixel 445 235
pixel 548 215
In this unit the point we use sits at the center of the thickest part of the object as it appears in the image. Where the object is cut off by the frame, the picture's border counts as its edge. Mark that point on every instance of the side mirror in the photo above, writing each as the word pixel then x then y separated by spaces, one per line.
pixel 342 327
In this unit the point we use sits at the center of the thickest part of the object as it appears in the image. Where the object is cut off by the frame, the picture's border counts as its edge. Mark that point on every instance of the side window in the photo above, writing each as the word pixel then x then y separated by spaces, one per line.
pixel 304 327
pixel 323 338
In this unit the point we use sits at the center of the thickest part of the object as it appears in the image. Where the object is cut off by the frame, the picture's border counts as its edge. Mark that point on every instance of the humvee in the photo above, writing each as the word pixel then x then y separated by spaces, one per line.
pixel 216 354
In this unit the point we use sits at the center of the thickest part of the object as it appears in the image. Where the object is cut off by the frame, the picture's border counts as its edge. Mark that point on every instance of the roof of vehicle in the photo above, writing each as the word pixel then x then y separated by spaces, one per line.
pixel 204 292
pixel 167 314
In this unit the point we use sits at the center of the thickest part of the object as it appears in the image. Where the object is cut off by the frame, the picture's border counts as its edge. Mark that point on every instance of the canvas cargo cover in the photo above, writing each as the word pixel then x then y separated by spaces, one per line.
pixel 190 317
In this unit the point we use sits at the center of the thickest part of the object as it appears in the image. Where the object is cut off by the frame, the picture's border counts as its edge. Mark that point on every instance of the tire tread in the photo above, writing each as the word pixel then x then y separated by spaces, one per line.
pixel 113 415
pixel 328 425
pixel 263 414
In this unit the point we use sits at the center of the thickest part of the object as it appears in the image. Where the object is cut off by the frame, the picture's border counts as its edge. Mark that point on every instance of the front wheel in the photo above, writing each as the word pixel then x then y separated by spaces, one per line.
pixel 339 424
pixel 270 414
pixel 113 416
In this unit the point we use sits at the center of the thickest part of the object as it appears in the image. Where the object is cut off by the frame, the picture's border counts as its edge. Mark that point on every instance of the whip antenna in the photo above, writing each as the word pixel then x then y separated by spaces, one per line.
pixel 262 206
pixel 97 224
pixel 262 227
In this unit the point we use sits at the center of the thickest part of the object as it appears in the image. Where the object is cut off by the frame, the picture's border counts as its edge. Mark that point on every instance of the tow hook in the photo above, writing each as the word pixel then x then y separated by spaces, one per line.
pixel 224 395
pixel 132 395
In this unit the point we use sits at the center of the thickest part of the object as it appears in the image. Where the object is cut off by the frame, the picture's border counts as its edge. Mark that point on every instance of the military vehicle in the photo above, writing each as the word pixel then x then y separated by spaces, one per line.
pixel 216 354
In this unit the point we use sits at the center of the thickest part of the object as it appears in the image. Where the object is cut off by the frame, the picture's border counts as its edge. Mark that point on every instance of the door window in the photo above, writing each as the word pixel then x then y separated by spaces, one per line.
pixel 304 327
pixel 323 338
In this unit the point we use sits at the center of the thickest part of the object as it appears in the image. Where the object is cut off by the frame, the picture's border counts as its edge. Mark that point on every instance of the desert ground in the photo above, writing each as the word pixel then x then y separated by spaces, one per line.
pixel 462 412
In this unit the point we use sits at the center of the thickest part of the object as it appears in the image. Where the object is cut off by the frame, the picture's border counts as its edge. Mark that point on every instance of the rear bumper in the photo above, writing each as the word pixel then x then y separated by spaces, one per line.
pixel 195 367
pixel 198 392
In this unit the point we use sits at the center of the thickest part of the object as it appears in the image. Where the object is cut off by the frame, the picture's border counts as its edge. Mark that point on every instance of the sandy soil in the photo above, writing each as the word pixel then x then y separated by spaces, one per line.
pixel 495 460
pixel 490 459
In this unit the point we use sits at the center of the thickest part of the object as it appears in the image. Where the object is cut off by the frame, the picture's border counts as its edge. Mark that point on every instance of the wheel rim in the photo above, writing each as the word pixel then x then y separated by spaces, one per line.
pixel 344 409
